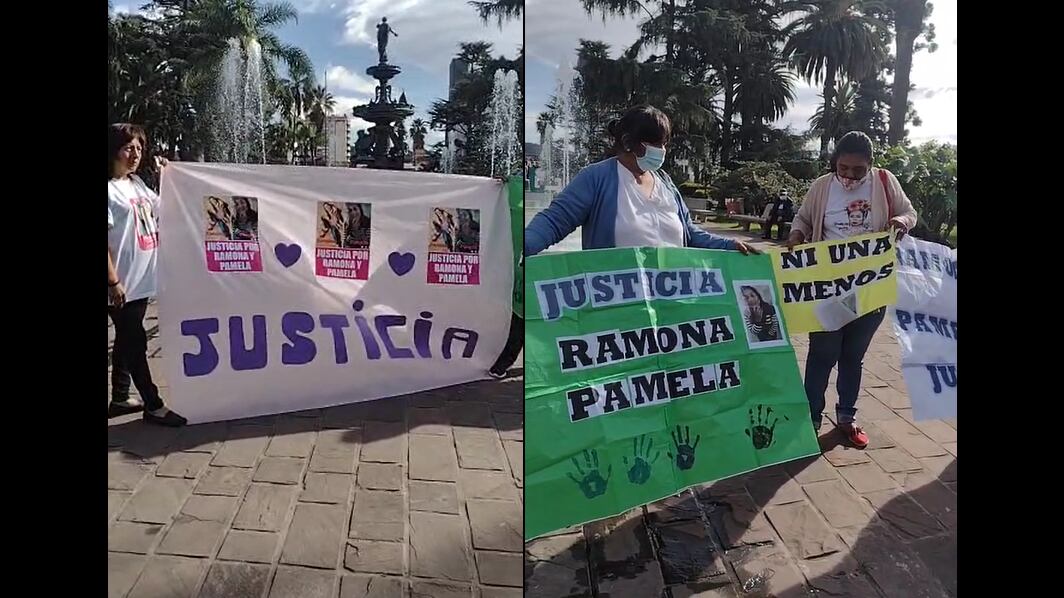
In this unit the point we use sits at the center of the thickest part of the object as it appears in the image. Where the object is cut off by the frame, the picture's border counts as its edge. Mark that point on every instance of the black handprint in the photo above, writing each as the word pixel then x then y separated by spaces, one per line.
pixel 761 431
pixel 639 473
pixel 592 484
pixel 685 452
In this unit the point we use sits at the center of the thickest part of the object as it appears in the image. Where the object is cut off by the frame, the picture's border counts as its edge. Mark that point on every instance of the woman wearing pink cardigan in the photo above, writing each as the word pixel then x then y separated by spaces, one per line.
pixel 853 199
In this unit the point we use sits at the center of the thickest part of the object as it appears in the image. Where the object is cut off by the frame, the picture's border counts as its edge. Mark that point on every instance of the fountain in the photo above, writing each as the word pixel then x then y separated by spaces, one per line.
pixel 384 147
pixel 236 124
pixel 504 109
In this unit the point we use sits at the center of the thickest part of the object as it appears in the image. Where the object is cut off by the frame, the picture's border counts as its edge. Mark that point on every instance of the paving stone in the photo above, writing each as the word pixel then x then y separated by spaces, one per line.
pixel 242 451
pixel 122 573
pixel 301 583
pixel 895 460
pixel 841 456
pixel 297 443
pixel 515 454
pixel 123 475
pixel 439 548
pixel 383 442
pixel 932 495
pixel 157 500
pixel 125 536
pixel 944 467
pixel 686 552
pixel 739 521
pixel 912 440
pixel 774 490
pixel 811 470
pixel 433 458
pixel 647 581
pixel 332 488
pixel 905 517
pixel 336 451
pixel 168 577
pixel 500 568
pixel 378 515
pixel 279 470
pixel 681 507
pixel 342 416
pixel 183 465
pixel 265 508
pixel 557 566
pixel 315 535
pixel 939 553
pixel 367 556
pixel 866 477
pixel 199 528
pixel 838 504
pixel 470 415
pixel 895 567
pixel 380 476
pixel 500 592
pixel 496 525
pixel 223 481
pixel 433 421
pixel 510 426
pixel 115 501
pixel 838 575
pixel 439 589
pixel 433 497
pixel 877 438
pixel 254 547
pixel 950 447
pixel 479 449
pixel 937 430
pixel 720 588
pixel 802 530
pixel 497 485
pixel 751 565
pixel 372 586
pixel 235 580
pixel 890 397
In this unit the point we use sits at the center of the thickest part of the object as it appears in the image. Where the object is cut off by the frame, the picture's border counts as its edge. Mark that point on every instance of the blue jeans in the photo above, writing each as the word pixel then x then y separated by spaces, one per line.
pixel 845 347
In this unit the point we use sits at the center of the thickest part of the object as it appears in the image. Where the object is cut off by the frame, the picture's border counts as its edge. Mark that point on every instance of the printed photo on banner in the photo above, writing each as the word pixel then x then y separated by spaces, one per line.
pixel 761 318
pixel 231 235
pixel 454 246
pixel 342 240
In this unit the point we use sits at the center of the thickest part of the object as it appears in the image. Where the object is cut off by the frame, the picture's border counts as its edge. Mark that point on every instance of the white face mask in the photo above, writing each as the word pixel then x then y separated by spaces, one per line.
pixel 851 184
pixel 652 159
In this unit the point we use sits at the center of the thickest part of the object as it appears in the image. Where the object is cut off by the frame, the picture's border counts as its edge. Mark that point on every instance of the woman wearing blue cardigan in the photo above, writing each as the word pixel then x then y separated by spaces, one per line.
pixel 626 201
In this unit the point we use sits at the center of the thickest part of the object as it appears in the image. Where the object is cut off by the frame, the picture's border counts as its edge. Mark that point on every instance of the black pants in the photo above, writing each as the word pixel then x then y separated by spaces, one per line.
pixel 514 343
pixel 774 218
pixel 129 356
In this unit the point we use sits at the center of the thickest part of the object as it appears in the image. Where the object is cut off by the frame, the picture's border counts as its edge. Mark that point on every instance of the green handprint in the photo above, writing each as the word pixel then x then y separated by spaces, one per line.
pixel 592 483
pixel 760 430
pixel 685 452
pixel 639 473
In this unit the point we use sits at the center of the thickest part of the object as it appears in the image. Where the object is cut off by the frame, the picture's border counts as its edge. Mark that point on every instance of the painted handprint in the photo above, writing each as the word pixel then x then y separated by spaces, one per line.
pixel 591 482
pixel 685 451
pixel 639 472
pixel 761 430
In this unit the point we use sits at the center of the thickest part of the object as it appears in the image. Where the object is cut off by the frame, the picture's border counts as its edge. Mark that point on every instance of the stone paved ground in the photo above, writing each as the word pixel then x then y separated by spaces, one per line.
pixel 875 523
pixel 416 496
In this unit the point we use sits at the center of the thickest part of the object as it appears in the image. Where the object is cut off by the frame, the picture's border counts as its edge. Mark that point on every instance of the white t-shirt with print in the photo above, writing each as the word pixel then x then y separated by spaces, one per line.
pixel 642 221
pixel 849 213
pixel 133 235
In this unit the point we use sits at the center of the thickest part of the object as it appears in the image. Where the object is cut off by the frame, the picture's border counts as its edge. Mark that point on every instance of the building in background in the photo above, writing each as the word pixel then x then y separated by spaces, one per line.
pixel 457 72
pixel 337 131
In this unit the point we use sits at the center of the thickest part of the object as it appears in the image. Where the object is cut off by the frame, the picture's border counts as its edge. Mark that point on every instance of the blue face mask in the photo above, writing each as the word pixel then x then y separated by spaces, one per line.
pixel 652 159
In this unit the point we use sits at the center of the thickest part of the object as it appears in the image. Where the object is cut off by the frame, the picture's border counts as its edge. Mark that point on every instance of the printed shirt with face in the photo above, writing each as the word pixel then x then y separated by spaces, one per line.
pixel 133 235
pixel 848 213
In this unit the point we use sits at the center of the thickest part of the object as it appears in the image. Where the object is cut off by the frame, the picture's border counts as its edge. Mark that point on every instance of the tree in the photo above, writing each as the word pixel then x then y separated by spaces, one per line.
pixel 928 174
pixel 841 118
pixel 833 38
pixel 910 22
pixel 418 130
pixel 500 10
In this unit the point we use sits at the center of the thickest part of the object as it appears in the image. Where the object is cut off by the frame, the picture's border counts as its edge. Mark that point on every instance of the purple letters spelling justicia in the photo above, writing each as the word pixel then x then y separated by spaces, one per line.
pixel 300 348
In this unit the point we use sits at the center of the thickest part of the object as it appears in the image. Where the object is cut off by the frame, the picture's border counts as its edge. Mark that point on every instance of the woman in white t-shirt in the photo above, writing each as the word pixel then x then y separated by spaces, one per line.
pixel 132 242
pixel 853 199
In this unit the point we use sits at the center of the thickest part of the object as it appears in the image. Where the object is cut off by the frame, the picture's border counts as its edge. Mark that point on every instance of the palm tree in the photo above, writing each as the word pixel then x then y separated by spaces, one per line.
pixel 909 23
pixel 500 10
pixel 833 38
pixel 842 117
pixel 418 129
pixel 320 103
pixel 764 92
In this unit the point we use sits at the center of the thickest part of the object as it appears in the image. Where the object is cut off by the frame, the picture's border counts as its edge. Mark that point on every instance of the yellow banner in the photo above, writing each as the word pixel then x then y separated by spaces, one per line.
pixel 824 286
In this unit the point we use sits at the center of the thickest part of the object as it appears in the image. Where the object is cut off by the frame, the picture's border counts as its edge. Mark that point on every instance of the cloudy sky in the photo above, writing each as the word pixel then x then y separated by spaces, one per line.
pixel 341 38
pixel 553 29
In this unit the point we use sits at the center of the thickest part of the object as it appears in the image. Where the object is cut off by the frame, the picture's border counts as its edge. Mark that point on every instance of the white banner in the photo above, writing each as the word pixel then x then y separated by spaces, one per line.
pixel 288 288
pixel 925 322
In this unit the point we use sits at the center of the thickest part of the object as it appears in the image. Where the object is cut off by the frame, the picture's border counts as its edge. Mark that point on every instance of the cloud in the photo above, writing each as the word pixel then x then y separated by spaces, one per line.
pixel 428 30
pixel 312 6
pixel 553 30
pixel 339 77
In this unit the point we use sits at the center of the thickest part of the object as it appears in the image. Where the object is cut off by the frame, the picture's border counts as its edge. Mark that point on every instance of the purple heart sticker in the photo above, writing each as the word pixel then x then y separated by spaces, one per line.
pixel 287 254
pixel 401 263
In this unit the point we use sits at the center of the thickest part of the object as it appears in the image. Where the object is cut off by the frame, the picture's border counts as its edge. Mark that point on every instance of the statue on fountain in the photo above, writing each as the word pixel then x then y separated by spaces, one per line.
pixel 383 29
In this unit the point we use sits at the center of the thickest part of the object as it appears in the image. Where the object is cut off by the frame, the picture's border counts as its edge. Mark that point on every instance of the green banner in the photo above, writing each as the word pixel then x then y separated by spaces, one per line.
pixel 515 192
pixel 648 371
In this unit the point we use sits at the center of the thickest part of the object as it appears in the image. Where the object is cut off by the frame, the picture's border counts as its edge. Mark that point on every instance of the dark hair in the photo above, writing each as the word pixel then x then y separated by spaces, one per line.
pixel 854 142
pixel 641 124
pixel 746 287
pixel 118 135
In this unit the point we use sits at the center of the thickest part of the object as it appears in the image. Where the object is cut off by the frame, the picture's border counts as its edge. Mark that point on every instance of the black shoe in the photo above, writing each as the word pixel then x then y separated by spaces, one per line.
pixel 170 420
pixel 119 408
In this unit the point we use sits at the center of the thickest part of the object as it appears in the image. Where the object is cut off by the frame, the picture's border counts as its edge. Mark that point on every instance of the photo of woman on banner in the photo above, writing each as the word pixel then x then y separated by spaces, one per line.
pixel 332 224
pixel 443 231
pixel 219 219
pixel 626 200
pixel 356 231
pixel 853 199
pixel 762 323
pixel 245 219
pixel 468 237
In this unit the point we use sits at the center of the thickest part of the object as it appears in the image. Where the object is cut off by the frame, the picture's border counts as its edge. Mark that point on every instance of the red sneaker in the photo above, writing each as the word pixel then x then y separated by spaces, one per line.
pixel 855 435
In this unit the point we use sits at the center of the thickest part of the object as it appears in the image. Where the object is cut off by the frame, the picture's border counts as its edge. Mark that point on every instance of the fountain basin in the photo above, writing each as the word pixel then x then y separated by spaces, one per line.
pixel 383 71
